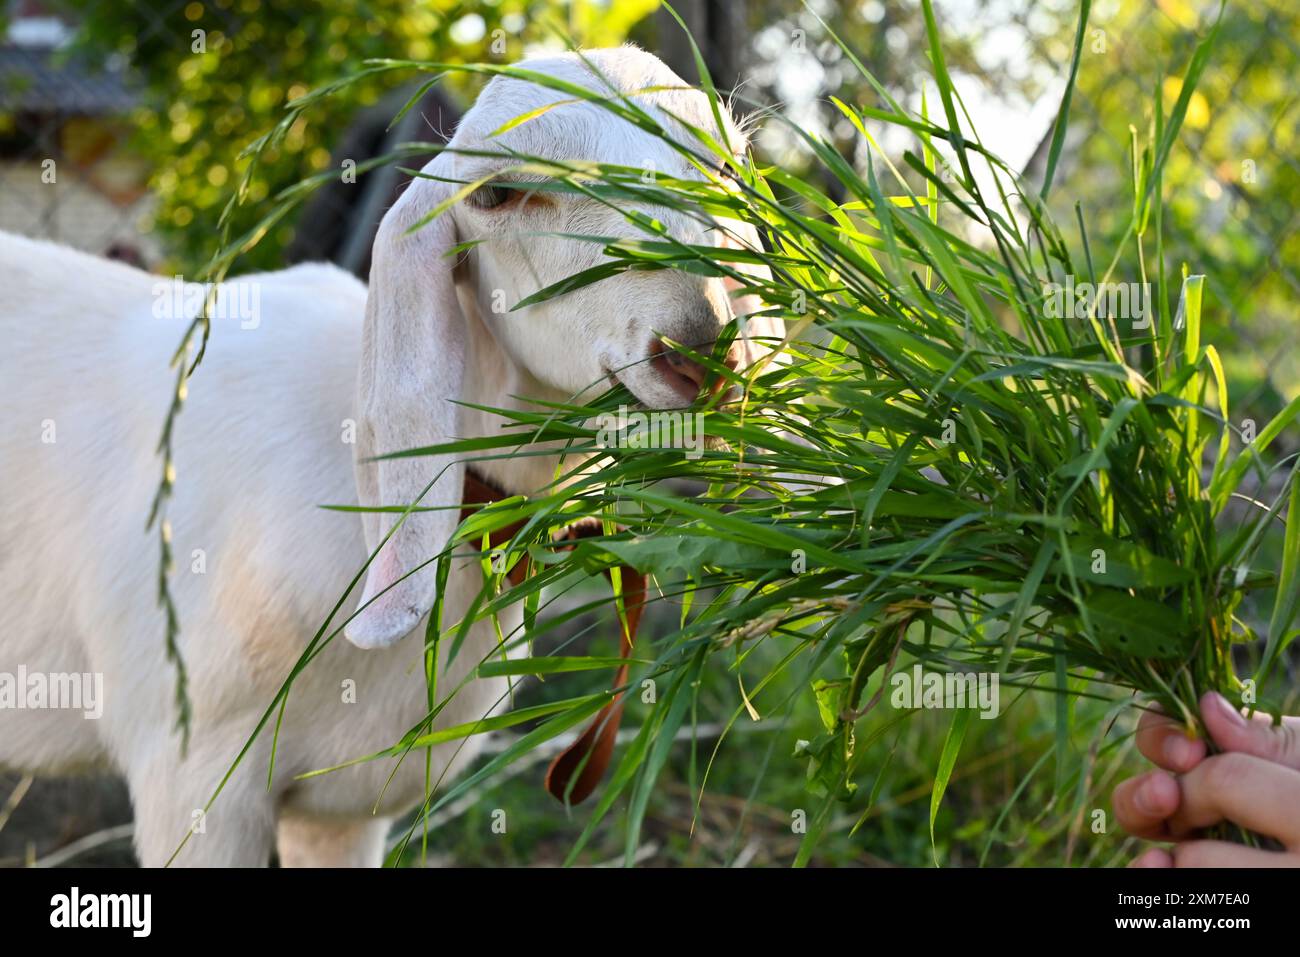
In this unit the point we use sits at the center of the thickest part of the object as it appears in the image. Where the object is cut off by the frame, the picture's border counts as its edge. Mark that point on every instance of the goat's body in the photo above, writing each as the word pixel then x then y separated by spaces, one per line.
pixel 263 441
pixel 260 444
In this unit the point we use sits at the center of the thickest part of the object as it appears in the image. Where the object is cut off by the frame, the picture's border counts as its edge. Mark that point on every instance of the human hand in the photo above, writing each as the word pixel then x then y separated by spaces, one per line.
pixel 1254 783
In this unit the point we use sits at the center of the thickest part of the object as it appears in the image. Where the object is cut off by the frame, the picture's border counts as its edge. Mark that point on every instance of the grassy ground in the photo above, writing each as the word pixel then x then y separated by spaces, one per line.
pixel 1004 805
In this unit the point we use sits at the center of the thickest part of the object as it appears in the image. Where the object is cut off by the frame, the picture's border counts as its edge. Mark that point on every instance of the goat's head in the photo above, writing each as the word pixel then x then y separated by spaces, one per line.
pixel 499 244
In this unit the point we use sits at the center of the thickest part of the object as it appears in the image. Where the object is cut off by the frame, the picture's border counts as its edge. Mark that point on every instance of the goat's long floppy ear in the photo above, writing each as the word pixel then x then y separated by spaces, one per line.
pixel 412 370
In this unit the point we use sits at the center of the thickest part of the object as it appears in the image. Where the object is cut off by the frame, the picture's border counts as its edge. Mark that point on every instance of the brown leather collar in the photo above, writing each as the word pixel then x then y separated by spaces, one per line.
pixel 576 771
pixel 478 492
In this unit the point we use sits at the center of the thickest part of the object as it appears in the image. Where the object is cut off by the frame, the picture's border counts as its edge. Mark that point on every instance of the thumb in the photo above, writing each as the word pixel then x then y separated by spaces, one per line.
pixel 1232 731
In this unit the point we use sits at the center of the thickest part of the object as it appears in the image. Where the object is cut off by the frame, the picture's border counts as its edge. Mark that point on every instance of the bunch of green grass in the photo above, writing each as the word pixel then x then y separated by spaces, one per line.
pixel 983 486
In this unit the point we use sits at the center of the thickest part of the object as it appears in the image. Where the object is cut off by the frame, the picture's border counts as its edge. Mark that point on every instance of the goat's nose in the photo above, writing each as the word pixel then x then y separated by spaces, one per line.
pixel 684 365
pixel 693 371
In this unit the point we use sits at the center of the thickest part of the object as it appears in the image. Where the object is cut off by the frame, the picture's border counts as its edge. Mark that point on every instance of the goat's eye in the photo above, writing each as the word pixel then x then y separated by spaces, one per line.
pixel 507 196
pixel 490 196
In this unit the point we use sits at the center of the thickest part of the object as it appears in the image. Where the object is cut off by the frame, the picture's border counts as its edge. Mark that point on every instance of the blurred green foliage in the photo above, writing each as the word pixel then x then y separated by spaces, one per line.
pixel 1233 183
pixel 207 94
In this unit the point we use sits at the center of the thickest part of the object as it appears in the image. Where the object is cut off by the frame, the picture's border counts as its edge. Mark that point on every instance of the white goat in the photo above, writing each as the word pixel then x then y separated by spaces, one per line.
pixel 263 441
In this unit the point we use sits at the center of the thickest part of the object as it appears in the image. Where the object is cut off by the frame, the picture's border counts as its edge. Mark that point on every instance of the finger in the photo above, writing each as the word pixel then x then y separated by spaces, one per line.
pixel 1155 857
pixel 1248 791
pixel 1227 854
pixel 1232 731
pixel 1144 804
pixel 1165 742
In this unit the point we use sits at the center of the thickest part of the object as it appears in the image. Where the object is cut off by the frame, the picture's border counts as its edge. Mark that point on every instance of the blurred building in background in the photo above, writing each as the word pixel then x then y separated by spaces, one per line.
pixel 66 168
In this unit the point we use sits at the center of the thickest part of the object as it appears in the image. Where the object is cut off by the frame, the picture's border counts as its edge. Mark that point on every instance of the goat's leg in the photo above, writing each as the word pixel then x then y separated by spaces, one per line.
pixel 305 841
pixel 238 831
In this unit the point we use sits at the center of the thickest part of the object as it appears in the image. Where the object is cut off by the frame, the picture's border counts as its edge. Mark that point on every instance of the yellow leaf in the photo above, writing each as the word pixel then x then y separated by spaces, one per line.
pixel 1198 107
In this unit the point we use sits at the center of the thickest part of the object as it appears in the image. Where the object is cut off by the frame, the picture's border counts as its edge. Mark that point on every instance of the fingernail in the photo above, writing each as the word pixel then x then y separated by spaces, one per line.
pixel 1178 750
pixel 1227 710
pixel 1144 799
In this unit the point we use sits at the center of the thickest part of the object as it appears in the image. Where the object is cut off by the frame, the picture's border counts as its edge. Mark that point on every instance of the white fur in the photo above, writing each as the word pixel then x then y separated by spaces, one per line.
pixel 260 445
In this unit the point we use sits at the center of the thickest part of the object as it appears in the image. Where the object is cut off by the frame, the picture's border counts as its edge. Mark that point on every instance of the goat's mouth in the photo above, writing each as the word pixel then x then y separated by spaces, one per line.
pixel 670 377
pixel 655 385
pixel 617 379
